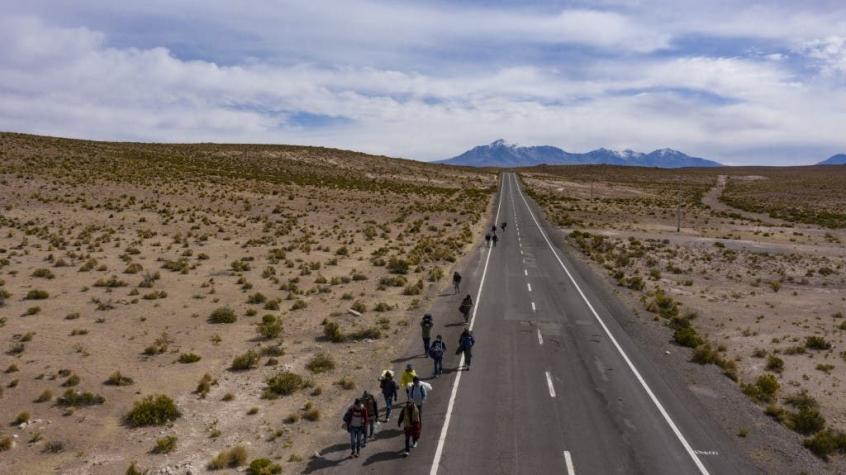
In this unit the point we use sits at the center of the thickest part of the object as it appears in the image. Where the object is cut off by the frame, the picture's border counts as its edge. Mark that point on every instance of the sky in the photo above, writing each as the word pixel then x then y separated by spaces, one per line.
pixel 736 81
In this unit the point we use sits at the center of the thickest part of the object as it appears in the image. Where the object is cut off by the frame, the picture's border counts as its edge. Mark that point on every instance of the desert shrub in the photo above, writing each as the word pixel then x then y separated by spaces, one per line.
pixel 321 363
pixel 54 447
pixel 826 442
pixel 775 364
pixel 182 266
pixel 346 383
pixel 397 266
pixel 6 443
pixel 257 298
pixel 763 390
pixel 36 294
pixel 245 361
pixel 205 384
pixel 687 336
pixel 283 384
pixel 270 327
pixel 45 396
pixel 117 379
pixel 299 305
pixel 111 283
pixel 223 315
pixel 72 380
pixel 73 398
pixel 43 274
pixel 382 307
pixel 21 418
pixel 133 268
pixel 153 410
pixel 359 307
pixel 369 333
pixel 332 332
pixel 165 445
pixel 263 467
pixel 311 414
pixel 234 457
pixel 817 343
pixel 186 358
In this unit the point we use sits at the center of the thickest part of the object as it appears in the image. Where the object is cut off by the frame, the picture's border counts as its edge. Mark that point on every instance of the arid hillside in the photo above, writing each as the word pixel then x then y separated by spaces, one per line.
pixel 161 304
pixel 754 281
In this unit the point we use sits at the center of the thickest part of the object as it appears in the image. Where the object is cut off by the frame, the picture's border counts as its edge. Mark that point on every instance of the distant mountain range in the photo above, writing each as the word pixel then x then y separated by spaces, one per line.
pixel 503 154
pixel 839 159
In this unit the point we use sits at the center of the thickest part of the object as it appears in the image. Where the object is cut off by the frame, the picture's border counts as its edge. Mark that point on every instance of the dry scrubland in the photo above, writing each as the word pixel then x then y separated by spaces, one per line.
pixel 186 306
pixel 754 283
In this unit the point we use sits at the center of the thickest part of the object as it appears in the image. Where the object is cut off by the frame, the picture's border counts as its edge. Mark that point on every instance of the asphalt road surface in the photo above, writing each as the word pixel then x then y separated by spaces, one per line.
pixel 557 385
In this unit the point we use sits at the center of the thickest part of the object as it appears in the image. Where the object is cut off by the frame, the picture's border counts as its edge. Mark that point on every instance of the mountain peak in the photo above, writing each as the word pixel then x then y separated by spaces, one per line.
pixel 500 153
pixel 839 159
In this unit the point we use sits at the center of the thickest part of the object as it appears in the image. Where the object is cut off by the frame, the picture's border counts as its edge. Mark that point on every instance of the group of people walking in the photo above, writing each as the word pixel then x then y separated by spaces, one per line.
pixel 361 419
pixel 491 237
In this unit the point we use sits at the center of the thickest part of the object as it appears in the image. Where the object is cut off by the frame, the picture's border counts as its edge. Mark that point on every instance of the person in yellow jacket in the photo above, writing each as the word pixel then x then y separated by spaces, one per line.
pixel 407 378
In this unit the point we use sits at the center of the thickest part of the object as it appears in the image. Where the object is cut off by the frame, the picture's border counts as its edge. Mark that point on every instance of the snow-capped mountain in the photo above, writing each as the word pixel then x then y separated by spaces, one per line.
pixel 503 154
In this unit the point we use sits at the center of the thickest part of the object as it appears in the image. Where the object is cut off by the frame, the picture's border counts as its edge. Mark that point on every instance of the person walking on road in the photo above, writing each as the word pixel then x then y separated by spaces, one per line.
pixel 426 325
pixel 488 239
pixel 355 422
pixel 465 345
pixel 436 352
pixel 456 282
pixel 493 229
pixel 418 394
pixel 373 412
pixel 503 225
pixel 389 391
pixel 409 420
pixel 494 239
pixel 465 307
pixel 407 377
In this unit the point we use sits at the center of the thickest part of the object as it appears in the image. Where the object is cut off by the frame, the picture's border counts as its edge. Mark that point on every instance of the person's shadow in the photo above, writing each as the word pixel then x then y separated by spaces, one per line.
pixel 383 457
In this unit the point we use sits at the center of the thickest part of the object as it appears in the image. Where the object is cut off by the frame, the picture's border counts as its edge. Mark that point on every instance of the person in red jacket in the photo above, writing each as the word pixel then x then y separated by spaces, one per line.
pixel 355 422
pixel 409 420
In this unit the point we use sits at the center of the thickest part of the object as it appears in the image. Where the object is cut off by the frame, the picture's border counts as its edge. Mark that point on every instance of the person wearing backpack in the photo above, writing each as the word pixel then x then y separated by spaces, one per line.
pixel 436 352
pixel 488 239
pixel 456 282
pixel 409 420
pixel 465 345
pixel 426 330
pixel 355 422
pixel 465 307
pixel 494 240
pixel 503 225
pixel 373 411
pixel 389 391
pixel 418 394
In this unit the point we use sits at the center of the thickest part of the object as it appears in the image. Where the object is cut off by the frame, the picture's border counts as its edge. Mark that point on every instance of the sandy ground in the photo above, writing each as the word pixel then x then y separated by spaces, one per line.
pixel 133 269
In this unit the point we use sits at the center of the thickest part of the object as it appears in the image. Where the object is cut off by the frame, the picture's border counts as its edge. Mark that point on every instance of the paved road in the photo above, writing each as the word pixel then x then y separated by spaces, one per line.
pixel 557 386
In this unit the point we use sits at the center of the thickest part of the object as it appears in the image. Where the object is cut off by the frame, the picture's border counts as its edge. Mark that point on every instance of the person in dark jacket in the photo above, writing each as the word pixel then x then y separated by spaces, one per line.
pixel 373 411
pixel 465 345
pixel 436 352
pixel 426 325
pixel 389 391
pixel 488 239
pixel 355 422
pixel 503 225
pixel 465 307
pixel 409 420
pixel 493 229
pixel 456 281
pixel 494 240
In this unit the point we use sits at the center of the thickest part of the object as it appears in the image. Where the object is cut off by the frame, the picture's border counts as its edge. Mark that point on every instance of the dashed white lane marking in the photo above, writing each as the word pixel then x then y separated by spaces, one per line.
pixel 526 272
pixel 540 337
pixel 549 383
pixel 533 307
pixel 568 459
pixel 442 438
pixel 529 286
pixel 638 377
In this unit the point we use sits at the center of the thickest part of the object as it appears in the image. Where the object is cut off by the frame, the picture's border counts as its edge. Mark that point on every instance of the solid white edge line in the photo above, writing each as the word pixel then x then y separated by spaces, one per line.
pixel 540 337
pixel 549 383
pixel 631 365
pixel 436 463
pixel 568 459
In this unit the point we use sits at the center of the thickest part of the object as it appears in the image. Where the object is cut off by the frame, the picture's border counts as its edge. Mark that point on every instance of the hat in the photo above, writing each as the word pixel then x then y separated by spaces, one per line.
pixel 408 366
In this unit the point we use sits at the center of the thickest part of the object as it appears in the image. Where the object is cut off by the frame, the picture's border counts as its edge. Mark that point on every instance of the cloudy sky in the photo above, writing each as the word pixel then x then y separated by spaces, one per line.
pixel 737 81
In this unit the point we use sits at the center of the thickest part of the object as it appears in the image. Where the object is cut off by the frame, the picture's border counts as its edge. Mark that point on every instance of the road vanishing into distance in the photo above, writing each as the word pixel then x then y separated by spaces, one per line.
pixel 557 386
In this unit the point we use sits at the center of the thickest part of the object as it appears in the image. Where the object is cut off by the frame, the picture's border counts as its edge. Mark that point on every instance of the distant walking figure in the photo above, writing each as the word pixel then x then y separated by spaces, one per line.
pixel 465 344
pixel 426 330
pixel 503 225
pixel 456 281
pixel 493 229
pixel 494 239
pixel 407 377
pixel 465 307
pixel 389 391
pixel 409 420
pixel 436 352
pixel 488 239
pixel 355 422
pixel 372 416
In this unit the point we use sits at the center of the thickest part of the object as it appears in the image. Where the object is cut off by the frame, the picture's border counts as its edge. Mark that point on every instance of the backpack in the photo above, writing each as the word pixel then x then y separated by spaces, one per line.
pixel 436 350
pixel 467 341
